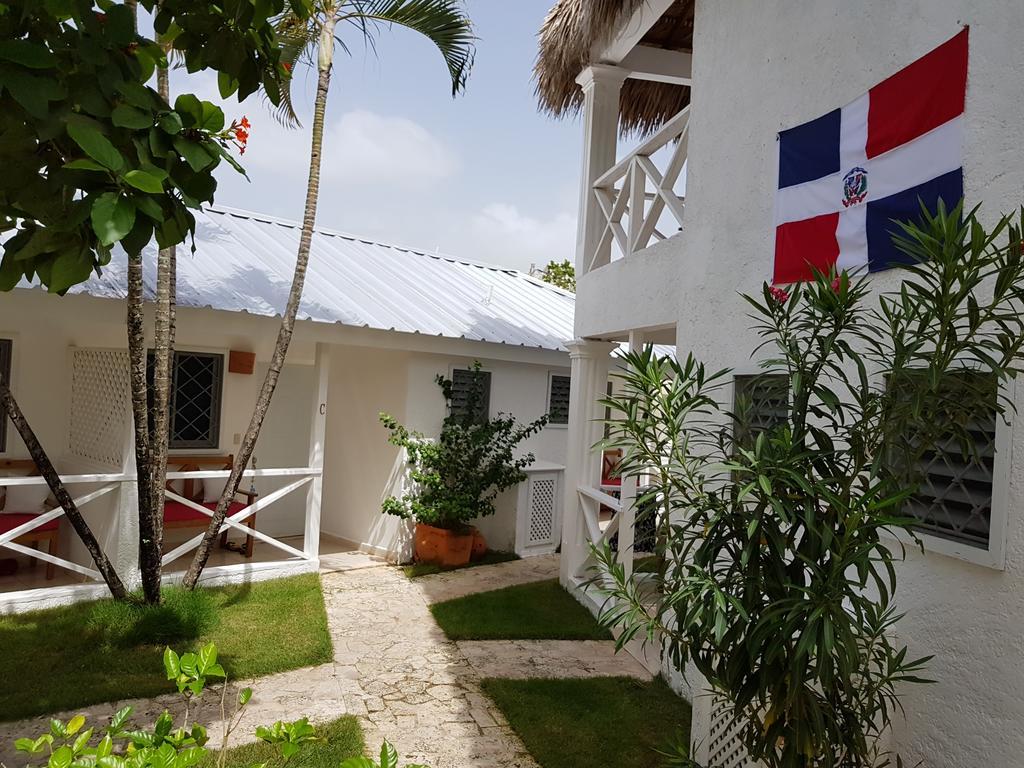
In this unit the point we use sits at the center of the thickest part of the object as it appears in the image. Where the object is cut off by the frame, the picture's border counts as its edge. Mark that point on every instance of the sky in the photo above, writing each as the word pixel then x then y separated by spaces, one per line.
pixel 483 176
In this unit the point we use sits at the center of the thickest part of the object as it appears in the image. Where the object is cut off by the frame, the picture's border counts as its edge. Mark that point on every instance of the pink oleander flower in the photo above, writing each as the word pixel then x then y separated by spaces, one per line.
pixel 779 294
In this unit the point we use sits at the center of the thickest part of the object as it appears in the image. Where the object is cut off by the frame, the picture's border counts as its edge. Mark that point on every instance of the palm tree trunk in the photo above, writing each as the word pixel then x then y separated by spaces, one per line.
pixel 152 507
pixel 284 336
pixel 140 409
pixel 60 492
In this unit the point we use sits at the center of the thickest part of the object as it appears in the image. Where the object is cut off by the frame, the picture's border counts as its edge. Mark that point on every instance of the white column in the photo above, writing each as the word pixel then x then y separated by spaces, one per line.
pixel 590 363
pixel 627 519
pixel 317 435
pixel 601 84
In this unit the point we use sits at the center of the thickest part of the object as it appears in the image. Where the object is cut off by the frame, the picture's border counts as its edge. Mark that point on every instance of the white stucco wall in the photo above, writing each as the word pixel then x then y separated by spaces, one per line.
pixel 42 383
pixel 362 468
pixel 762 67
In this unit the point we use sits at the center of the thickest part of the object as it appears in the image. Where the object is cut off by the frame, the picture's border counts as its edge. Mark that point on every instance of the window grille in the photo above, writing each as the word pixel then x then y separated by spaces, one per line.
pixel 760 404
pixel 196 386
pixel 5 374
pixel 463 382
pixel 558 399
pixel 954 498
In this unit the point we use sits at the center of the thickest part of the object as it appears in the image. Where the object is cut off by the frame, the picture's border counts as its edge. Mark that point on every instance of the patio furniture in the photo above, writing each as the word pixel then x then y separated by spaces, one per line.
pixel 48 532
pixel 179 515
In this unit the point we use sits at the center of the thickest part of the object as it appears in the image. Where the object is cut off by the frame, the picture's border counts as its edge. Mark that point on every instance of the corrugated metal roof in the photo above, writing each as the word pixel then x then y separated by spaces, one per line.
pixel 244 263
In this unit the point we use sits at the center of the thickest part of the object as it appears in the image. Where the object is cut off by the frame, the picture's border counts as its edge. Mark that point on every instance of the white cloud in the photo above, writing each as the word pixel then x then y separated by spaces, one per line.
pixel 378 149
pixel 361 148
pixel 508 236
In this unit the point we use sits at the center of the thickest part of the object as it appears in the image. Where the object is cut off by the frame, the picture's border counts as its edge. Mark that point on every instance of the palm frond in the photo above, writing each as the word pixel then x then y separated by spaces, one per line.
pixel 443 22
pixel 297 38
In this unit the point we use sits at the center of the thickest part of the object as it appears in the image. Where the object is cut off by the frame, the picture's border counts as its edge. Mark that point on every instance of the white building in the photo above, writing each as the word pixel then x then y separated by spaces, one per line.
pixel 377 324
pixel 713 83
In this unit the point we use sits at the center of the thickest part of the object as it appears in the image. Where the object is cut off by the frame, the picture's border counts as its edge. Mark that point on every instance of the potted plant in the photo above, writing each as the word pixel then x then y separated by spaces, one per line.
pixel 457 477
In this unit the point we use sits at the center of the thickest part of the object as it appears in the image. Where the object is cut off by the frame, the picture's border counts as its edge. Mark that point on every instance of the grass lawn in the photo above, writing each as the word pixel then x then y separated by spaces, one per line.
pixel 342 739
pixel 87 653
pixel 542 610
pixel 603 721
pixel 427 569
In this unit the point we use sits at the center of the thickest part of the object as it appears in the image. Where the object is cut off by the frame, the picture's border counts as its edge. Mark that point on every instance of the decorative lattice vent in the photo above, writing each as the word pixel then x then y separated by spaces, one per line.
pixel 100 405
pixel 542 511
pixel 725 746
pixel 954 499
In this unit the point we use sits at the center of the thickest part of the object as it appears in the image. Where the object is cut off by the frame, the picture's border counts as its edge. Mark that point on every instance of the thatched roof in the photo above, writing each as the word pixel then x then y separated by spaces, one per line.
pixel 573 29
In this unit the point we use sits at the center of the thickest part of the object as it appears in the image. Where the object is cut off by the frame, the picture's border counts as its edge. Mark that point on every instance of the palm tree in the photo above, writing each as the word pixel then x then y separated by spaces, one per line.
pixel 305 40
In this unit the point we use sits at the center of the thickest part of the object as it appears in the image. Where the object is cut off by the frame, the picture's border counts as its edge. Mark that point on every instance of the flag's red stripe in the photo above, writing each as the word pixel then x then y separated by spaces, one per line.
pixel 803 245
pixel 920 97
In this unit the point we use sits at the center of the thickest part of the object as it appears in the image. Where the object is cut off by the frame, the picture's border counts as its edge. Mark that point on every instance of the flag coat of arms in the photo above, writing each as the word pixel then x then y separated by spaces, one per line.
pixel 845 177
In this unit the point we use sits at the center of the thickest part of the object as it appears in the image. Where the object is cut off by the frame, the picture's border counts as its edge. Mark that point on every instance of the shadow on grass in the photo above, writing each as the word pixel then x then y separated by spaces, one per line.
pixel 87 653
pixel 541 610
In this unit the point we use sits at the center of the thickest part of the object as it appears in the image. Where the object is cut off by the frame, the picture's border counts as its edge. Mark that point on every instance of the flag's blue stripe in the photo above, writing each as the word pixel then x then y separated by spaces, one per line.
pixel 906 206
pixel 809 151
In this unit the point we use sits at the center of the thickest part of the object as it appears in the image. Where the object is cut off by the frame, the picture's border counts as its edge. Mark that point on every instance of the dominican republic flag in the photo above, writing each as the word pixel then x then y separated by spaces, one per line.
pixel 844 177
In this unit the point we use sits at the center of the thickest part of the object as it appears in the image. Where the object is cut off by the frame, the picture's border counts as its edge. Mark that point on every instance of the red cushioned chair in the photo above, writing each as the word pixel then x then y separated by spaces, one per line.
pixel 178 515
pixel 49 533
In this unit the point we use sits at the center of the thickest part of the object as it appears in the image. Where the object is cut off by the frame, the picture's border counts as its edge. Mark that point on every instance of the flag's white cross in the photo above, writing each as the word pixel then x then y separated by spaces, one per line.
pixel 918 161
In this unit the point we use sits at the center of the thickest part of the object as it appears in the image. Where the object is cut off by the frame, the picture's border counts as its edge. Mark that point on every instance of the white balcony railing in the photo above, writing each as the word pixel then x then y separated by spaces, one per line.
pixel 637 199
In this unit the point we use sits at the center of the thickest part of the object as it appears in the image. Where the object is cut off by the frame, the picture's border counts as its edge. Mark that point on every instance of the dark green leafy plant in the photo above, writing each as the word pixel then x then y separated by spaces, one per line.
pixel 779 584
pixel 457 478
pixel 561 274
pixel 92 155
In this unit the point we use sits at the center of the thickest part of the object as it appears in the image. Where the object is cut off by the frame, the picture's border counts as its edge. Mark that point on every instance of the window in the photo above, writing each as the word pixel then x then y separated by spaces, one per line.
pixel 760 404
pixel 558 399
pixel 463 395
pixel 196 383
pixel 5 374
pixel 954 498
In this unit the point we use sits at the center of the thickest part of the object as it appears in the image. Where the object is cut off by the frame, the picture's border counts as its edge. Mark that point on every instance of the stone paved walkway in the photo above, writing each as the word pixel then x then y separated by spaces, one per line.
pixel 395 669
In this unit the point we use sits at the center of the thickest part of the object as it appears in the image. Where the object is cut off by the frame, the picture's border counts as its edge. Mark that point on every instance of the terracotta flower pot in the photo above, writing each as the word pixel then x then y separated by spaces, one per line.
pixel 479 545
pixel 441 546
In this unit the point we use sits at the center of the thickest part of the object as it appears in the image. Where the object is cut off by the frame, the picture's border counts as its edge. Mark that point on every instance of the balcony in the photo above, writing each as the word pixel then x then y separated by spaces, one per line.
pixel 638 202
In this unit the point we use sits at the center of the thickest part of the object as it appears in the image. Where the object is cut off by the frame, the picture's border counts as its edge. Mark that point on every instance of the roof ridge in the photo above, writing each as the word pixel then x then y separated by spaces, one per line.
pixel 266 217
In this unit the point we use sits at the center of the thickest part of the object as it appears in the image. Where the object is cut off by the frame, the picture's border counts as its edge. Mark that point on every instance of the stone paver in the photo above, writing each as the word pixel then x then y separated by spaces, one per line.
pixel 522 659
pixel 395 669
pixel 447 586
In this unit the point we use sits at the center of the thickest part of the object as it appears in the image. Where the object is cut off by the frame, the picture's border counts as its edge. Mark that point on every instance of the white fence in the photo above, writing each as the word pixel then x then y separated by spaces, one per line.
pixel 123 484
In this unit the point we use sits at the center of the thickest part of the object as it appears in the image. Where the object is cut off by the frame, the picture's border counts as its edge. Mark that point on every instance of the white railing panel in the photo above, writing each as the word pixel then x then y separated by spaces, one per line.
pixel 636 191
pixel 113 481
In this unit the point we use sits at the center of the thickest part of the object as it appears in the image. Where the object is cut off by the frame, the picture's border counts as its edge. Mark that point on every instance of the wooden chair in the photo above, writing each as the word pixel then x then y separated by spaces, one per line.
pixel 178 515
pixel 49 533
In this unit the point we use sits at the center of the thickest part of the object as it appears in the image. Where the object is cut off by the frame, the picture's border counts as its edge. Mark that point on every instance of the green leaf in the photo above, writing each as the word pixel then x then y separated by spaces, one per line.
pixel 226 84
pixel 145 181
pixel 25 745
pixel 212 117
pixel 27 53
pixel 125 116
pixel 61 758
pixel 112 217
pixel 195 155
pixel 75 724
pixel 207 658
pixel 244 696
pixel 85 164
pixel 170 122
pixel 388 755
pixel 172 664
pixel 96 145
pixel 189 106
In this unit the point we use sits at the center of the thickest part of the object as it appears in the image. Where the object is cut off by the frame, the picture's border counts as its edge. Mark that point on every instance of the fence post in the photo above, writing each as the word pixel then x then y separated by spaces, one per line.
pixel 317 436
